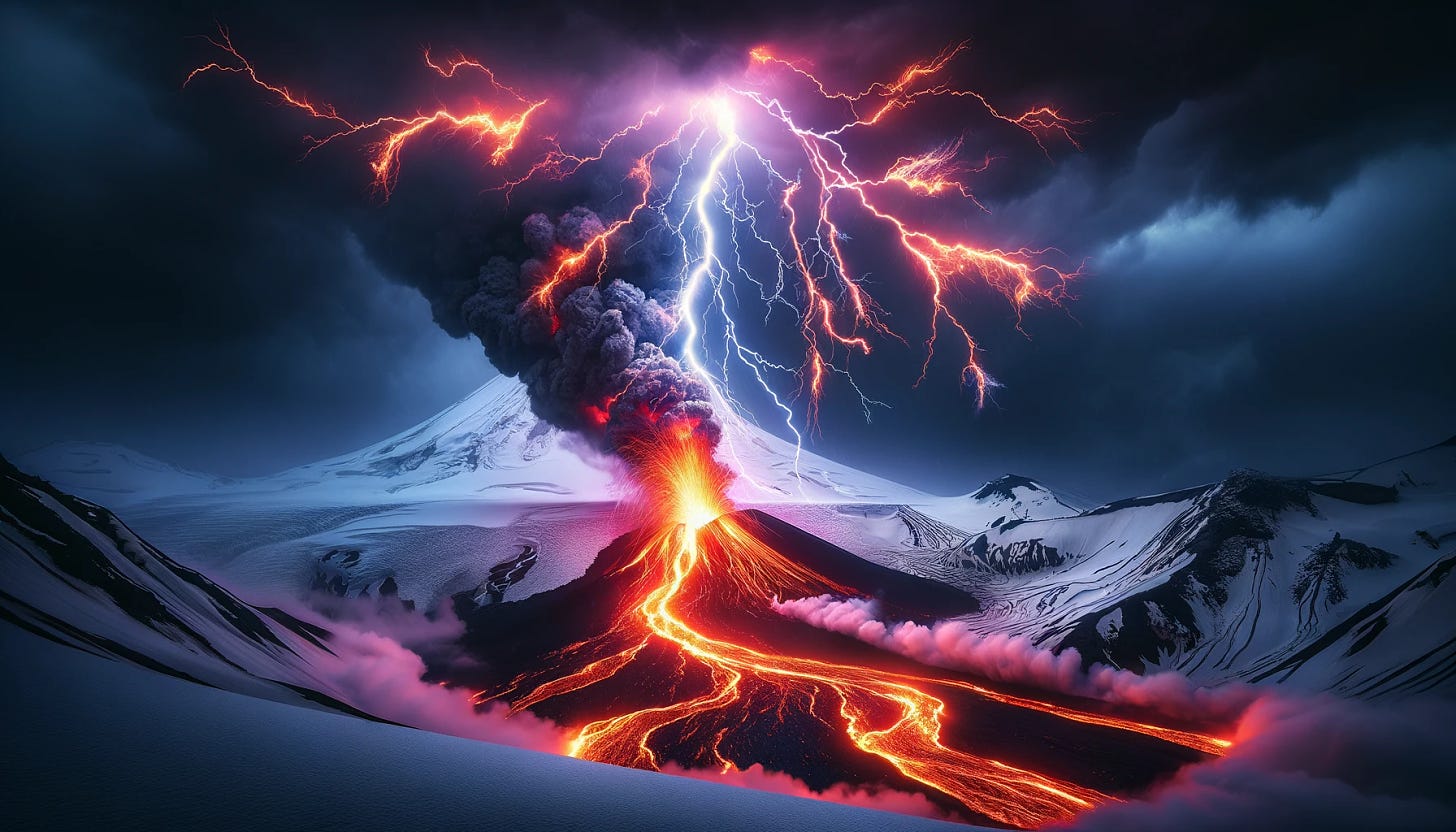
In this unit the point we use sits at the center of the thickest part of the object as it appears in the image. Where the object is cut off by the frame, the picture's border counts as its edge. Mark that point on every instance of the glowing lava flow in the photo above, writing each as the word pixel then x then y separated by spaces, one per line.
pixel 698 556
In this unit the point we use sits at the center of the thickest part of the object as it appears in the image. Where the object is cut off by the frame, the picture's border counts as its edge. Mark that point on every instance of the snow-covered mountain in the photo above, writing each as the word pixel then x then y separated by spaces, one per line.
pixel 435 509
pixel 74 573
pixel 488 447
pixel 1008 499
pixel 1255 577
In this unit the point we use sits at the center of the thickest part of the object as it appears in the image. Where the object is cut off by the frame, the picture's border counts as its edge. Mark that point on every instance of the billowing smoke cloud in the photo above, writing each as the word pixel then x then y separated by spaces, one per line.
pixel 379 668
pixel 1016 659
pixel 380 676
pixel 1311 763
pixel 591 355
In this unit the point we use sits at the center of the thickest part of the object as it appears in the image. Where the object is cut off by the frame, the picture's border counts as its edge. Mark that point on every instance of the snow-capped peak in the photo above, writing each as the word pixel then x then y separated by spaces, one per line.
pixel 487 446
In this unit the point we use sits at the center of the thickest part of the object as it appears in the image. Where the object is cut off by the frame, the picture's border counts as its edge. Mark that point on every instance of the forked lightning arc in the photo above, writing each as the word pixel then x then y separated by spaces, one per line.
pixel 694 551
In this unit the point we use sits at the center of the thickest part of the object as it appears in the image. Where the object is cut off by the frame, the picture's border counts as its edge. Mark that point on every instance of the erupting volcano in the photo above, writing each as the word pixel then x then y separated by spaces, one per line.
pixel 687 664
pixel 727 417
pixel 738 195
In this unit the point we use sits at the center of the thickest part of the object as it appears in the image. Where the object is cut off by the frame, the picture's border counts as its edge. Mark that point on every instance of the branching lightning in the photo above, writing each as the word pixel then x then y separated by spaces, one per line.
pixel 707 203
pixel 736 177
pixel 500 126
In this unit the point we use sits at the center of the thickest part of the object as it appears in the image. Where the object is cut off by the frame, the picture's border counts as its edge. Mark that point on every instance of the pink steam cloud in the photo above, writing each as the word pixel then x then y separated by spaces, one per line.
pixel 378 667
pixel 1016 659
pixel 1310 762
pixel 758 778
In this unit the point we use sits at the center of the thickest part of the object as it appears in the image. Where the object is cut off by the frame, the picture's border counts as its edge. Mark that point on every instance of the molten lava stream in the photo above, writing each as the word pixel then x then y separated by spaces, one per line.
pixel 699 568
pixel 883 714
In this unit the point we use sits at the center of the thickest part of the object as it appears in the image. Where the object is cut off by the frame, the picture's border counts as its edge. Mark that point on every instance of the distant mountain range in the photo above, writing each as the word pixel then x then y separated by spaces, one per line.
pixel 1335 582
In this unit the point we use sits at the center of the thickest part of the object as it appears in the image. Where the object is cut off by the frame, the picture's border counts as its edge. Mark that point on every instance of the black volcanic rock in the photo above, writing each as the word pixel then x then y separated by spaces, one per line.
pixel 1323 571
pixel 1015 558
pixel 1005 487
pixel 917 597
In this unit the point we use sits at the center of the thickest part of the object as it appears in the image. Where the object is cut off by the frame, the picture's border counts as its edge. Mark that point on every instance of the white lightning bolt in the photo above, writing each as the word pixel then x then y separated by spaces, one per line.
pixel 708 268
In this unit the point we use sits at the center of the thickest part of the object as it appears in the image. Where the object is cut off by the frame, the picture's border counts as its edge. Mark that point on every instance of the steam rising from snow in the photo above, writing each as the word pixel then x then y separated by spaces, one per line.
pixel 1297 761
pixel 380 670
pixel 1016 659
pixel 380 676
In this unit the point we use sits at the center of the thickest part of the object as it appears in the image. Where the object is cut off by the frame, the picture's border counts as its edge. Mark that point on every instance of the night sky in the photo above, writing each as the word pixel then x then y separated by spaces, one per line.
pixel 1263 200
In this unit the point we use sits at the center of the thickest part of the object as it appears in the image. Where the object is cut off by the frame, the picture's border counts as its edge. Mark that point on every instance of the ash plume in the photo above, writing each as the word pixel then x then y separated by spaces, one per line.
pixel 592 357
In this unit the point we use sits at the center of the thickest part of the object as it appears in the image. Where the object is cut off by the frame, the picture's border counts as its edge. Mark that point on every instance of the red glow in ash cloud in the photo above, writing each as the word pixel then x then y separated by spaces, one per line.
pixel 837 316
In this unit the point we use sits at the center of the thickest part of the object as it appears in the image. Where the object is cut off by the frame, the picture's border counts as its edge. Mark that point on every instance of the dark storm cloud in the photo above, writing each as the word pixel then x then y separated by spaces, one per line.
pixel 174 259
pixel 1303 341
pixel 177 291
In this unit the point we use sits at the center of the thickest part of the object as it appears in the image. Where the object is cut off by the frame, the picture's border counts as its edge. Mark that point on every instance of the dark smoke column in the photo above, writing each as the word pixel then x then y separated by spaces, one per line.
pixel 593 360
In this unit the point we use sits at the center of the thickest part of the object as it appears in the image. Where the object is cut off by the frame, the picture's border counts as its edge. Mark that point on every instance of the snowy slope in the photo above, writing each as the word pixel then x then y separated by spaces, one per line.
pixel 76 574
pixel 1256 577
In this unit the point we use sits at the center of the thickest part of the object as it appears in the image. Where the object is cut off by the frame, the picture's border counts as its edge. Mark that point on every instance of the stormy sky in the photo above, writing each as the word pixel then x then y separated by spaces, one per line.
pixel 1262 198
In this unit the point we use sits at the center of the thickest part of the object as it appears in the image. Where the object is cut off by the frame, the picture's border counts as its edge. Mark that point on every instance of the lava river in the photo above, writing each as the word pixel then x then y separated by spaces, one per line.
pixel 682 660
